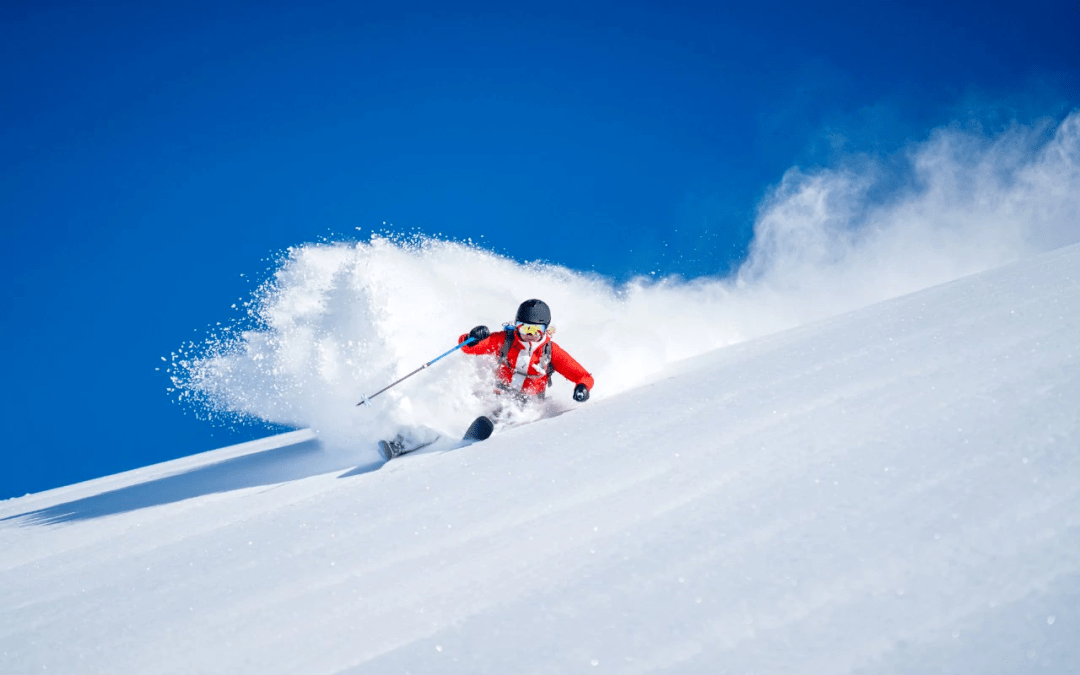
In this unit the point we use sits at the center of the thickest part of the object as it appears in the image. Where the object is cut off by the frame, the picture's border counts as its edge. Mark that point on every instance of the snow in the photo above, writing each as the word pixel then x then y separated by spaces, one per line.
pixel 890 490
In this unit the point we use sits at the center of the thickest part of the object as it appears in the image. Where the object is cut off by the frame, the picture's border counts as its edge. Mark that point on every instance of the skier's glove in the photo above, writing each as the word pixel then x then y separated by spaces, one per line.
pixel 479 333
pixel 581 393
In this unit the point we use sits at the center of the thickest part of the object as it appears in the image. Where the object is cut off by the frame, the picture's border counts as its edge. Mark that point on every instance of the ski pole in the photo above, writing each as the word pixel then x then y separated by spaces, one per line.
pixel 364 400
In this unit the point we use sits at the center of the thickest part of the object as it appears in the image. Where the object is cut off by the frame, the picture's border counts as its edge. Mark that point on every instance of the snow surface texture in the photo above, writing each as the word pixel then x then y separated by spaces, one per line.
pixel 339 321
pixel 892 490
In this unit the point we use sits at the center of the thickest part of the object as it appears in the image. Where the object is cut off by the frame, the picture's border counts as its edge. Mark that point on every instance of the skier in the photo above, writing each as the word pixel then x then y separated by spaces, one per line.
pixel 527 357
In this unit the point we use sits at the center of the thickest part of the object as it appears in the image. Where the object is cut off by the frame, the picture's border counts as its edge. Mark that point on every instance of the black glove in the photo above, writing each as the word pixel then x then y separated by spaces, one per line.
pixel 581 393
pixel 479 333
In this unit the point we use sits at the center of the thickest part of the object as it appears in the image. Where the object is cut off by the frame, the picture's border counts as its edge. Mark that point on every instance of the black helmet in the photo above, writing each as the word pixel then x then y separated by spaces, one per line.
pixel 534 311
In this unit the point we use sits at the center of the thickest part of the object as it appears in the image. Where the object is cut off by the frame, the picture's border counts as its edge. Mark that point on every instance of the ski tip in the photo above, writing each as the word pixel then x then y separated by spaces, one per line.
pixel 479 430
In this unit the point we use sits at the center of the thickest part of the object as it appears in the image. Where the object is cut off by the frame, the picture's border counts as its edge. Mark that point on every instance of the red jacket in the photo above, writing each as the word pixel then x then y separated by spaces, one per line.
pixel 529 376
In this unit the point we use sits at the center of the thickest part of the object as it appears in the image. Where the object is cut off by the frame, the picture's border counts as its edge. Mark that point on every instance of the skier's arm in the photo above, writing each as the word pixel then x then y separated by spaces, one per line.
pixel 489 345
pixel 566 366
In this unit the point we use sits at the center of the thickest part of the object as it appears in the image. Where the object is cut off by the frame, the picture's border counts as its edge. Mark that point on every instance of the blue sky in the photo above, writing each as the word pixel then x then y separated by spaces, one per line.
pixel 156 158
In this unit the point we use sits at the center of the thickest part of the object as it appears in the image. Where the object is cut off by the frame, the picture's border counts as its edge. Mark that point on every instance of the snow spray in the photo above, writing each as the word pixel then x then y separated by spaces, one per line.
pixel 340 318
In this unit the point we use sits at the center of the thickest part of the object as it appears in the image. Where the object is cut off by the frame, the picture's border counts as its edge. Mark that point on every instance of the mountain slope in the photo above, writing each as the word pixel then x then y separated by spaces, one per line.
pixel 891 490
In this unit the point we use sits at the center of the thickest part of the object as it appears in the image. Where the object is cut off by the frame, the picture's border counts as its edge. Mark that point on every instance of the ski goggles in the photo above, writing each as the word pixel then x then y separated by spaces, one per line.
pixel 534 330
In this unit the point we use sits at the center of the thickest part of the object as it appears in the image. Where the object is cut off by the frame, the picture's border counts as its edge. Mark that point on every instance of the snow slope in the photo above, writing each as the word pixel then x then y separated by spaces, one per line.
pixel 892 490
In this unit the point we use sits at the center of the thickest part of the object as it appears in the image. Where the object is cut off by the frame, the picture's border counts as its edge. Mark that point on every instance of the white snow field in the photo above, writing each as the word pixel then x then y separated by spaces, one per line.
pixel 891 490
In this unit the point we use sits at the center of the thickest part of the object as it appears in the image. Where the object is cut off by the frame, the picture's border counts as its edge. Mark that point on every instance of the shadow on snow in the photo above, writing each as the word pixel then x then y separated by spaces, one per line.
pixel 269 467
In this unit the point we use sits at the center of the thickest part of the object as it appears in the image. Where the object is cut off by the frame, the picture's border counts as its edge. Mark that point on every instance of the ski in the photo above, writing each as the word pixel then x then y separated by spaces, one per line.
pixel 396 447
pixel 479 430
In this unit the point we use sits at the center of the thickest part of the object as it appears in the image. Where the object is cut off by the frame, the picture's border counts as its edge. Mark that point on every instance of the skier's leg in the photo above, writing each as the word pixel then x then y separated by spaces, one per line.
pixel 508 404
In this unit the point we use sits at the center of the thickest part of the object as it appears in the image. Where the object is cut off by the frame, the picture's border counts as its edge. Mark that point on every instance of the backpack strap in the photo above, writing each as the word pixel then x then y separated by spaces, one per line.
pixel 547 360
pixel 508 342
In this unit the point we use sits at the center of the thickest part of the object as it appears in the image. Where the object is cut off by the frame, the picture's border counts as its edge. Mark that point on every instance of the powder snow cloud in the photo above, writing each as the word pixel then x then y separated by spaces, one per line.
pixel 338 320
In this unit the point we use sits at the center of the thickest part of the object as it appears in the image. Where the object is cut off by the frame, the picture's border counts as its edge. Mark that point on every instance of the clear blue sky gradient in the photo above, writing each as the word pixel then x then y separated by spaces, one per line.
pixel 155 152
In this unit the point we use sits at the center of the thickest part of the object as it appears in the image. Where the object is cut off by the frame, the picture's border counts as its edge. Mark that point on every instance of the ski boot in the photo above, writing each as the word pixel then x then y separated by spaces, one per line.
pixel 391 449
